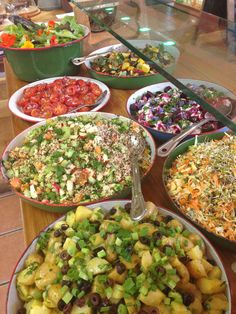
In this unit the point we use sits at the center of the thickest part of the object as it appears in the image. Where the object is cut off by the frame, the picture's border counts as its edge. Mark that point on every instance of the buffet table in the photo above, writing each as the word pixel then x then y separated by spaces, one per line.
pixel 153 189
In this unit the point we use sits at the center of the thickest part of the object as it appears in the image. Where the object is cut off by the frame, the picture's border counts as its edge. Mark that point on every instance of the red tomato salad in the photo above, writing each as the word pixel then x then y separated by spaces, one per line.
pixel 47 100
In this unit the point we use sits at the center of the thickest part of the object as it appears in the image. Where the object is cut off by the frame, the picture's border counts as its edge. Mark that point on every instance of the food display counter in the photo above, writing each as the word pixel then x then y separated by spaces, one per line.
pixel 201 56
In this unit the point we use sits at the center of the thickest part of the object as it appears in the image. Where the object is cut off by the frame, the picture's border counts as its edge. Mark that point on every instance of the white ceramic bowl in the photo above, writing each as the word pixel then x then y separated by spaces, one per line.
pixel 164 136
pixel 16 110
pixel 19 139
pixel 14 303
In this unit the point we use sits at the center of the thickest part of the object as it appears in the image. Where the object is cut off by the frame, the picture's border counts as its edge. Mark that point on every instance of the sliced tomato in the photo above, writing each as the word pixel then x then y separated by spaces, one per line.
pixel 36 113
pixel 84 90
pixel 46 114
pixel 81 82
pixel 29 107
pixel 54 98
pixel 35 99
pixel 59 109
pixel 22 102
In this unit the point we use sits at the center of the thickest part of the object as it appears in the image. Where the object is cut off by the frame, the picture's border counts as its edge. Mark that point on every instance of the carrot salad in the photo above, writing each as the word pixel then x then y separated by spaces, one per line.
pixel 202 182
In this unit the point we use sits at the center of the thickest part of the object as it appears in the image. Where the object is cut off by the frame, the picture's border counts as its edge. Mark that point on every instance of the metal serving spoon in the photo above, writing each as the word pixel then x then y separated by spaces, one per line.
pixel 81 60
pixel 27 24
pixel 98 101
pixel 138 208
pixel 165 149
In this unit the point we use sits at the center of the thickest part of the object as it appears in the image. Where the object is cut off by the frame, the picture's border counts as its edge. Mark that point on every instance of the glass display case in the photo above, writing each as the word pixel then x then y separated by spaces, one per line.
pixel 206 45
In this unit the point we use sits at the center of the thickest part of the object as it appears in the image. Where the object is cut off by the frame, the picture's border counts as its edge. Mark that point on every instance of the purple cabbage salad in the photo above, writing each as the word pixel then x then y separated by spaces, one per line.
pixel 171 110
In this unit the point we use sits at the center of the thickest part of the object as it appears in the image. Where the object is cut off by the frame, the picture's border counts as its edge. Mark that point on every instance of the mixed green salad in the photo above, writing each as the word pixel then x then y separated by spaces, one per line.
pixel 47 34
pixel 73 160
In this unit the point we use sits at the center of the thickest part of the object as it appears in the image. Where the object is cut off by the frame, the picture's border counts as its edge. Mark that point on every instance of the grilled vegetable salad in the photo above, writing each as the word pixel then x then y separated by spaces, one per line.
pixel 51 34
pixel 91 262
pixel 202 182
pixel 73 160
pixel 170 110
pixel 129 64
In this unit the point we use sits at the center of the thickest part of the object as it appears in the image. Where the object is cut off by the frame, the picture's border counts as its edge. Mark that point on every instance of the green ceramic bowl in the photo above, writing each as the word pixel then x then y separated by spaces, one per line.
pixel 179 150
pixel 51 207
pixel 133 82
pixel 39 63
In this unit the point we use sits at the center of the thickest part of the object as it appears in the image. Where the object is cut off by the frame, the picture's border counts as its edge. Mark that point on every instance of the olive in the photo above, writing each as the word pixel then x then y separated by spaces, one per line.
pixel 113 309
pixel 120 268
pixel 156 223
pixel 63 237
pixel 85 286
pixel 167 88
pixel 80 302
pixel 144 240
pixel 64 269
pixel 105 302
pixel 21 311
pixel 184 259
pixel 95 299
pixel 96 224
pixel 156 236
pixel 166 290
pixel 67 283
pixel 65 256
pixel 141 311
pixel 60 305
pixel 168 218
pixel 110 282
pixel 57 233
pixel 160 270
pixel 113 211
pixel 67 308
pixel 187 298
pixel 64 227
pixel 128 207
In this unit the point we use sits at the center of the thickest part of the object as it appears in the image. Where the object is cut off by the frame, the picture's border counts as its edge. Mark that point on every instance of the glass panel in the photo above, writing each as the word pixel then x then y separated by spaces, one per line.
pixel 206 43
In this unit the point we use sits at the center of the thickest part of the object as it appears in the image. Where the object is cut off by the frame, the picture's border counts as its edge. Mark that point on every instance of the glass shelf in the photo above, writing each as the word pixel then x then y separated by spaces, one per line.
pixel 207 44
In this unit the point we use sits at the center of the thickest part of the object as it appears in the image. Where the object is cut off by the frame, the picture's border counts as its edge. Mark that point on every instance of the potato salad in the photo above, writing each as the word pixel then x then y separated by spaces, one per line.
pixel 94 261
pixel 73 160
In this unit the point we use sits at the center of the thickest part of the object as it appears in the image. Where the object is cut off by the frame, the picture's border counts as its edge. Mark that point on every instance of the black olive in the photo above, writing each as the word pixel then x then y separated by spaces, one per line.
pixel 166 290
pixel 120 268
pixel 85 286
pixel 95 299
pixel 156 236
pixel 184 259
pixel 65 256
pixel 60 305
pixel 110 282
pixel 156 223
pixel 80 302
pixel 67 283
pixel 96 224
pixel 168 218
pixel 160 270
pixel 141 311
pixel 144 240
pixel 128 207
pixel 64 226
pixel 21 311
pixel 167 88
pixel 63 237
pixel 113 211
pixel 105 302
pixel 113 309
pixel 57 233
pixel 64 269
pixel 67 308
pixel 187 298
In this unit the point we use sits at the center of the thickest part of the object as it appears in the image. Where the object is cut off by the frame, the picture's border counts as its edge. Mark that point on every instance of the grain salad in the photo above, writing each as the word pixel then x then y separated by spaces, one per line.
pixel 73 160
pixel 202 182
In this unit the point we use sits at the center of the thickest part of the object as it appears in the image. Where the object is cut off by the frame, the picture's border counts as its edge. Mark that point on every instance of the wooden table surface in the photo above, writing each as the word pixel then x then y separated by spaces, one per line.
pixel 35 220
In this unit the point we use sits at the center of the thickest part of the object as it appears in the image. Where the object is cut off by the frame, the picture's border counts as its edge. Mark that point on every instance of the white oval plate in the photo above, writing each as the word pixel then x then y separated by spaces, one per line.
pixel 14 303
pixel 16 110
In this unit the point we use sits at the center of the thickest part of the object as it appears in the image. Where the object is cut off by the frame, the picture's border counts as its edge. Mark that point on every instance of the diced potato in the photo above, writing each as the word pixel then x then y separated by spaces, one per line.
pixel 164 309
pixel 153 298
pixel 23 292
pixel 134 261
pixel 178 308
pixel 185 243
pixel 145 68
pixel 174 223
pixel 208 267
pixel 130 303
pixel 37 307
pixel 97 265
pixel 119 278
pixel 149 227
pixel 45 275
pixel 98 287
pixel 146 260
pixel 33 258
pixel 117 294
pixel 213 312
pixel 70 218
pixel 125 65
pixel 138 247
pixel 181 269
pixel 96 240
pixel 126 223
pixel 210 286
pixel 195 253
pixel 196 269
pixel 27 275
pixel 196 306
pixel 189 288
pixel 81 310
pixel 217 302
pixel 82 213
pixel 53 296
pixel 151 208
pixel 215 272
